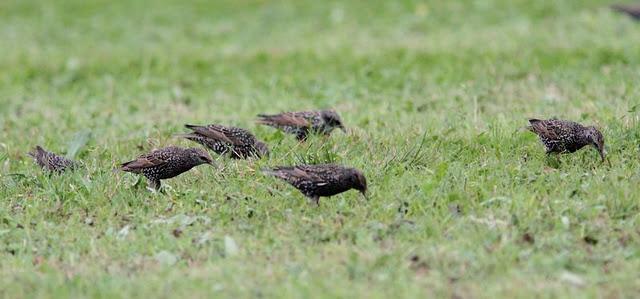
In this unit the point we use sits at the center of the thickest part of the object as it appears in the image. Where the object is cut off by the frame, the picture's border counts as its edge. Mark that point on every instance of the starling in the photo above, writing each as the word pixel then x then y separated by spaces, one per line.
pixel 50 161
pixel 301 123
pixel 166 163
pixel 632 10
pixel 325 180
pixel 559 136
pixel 239 143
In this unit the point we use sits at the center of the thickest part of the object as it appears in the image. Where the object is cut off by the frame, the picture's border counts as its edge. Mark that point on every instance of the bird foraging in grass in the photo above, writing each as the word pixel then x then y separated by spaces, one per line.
pixel 302 123
pixel 315 181
pixel 166 163
pixel 238 143
pixel 560 136
pixel 51 162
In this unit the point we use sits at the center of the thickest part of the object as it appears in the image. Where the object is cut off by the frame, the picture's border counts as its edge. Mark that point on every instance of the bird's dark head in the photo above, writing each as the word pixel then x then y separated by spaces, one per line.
pixel 332 119
pixel 200 156
pixel 359 182
pixel 263 149
pixel 597 140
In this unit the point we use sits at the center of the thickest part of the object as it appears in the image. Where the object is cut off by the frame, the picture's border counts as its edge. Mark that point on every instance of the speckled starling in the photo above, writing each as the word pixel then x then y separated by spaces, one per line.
pixel 303 122
pixel 560 136
pixel 632 10
pixel 323 180
pixel 50 161
pixel 238 143
pixel 166 163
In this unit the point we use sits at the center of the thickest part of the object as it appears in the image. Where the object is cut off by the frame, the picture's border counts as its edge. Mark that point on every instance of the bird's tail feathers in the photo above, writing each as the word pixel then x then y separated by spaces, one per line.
pixel 37 152
pixel 265 119
pixel 272 172
pixel 186 135
pixel 125 166
pixel 189 126
pixel 533 123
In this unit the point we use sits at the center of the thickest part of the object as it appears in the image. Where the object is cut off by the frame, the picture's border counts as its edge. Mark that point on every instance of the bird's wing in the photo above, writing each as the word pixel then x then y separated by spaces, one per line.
pixel 144 161
pixel 320 174
pixel 283 119
pixel 236 136
pixel 215 132
pixel 290 173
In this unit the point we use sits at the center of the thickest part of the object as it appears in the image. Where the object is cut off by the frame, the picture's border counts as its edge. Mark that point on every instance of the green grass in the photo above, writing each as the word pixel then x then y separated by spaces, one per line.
pixel 435 94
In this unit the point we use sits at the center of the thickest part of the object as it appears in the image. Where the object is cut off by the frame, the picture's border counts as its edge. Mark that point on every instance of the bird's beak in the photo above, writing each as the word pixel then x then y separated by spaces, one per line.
pixel 602 151
pixel 364 194
pixel 603 155
pixel 343 129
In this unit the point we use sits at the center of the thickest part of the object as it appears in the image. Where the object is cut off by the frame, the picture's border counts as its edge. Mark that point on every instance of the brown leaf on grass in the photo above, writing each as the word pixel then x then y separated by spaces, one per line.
pixel 177 232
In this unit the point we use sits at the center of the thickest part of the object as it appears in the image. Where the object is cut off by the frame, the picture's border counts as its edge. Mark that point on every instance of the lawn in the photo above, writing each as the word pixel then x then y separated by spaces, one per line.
pixel 463 201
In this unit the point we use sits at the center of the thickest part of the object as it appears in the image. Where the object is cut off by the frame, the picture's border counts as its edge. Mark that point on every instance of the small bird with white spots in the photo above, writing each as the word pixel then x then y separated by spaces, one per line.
pixel 166 163
pixel 302 123
pixel 51 162
pixel 324 180
pixel 561 136
pixel 237 142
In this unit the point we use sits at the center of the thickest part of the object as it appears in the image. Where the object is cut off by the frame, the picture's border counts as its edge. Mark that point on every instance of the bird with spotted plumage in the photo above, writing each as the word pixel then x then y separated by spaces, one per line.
pixel 563 136
pixel 51 162
pixel 323 180
pixel 237 142
pixel 302 123
pixel 166 163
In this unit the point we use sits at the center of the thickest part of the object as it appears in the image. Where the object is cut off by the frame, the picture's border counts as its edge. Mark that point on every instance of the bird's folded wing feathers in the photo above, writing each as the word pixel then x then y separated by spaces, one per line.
pixel 213 132
pixel 143 162
pixel 291 173
pixel 285 119
pixel 312 173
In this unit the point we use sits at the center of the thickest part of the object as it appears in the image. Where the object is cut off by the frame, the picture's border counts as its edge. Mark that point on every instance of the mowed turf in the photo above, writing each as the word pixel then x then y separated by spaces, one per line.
pixel 436 95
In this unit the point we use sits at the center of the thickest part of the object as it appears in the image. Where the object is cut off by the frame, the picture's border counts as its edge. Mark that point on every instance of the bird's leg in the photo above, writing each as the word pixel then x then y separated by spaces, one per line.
pixel 364 194
pixel 315 200
pixel 154 185
pixel 607 160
